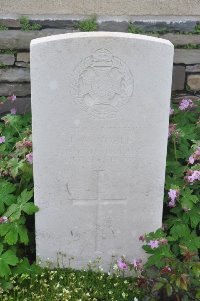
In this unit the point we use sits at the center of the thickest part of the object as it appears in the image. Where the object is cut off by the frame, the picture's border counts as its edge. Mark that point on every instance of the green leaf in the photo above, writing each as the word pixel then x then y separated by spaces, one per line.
pixel 4 269
pixel 23 234
pixel 180 230
pixel 169 290
pixel 15 165
pixel 24 267
pixel 30 208
pixel 24 197
pixel 14 232
pixel 6 194
pixel 10 258
pixel 15 210
pixel 6 259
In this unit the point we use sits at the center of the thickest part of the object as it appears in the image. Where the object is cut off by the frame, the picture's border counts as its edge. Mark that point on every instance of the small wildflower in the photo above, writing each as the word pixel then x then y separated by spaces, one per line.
pixel 173 195
pixel 186 104
pixel 142 238
pixel 137 263
pixel 3 219
pixel 195 156
pixel 186 209
pixel 122 265
pixel 2 139
pixel 171 112
pixel 163 241
pixel 153 244
pixel 13 111
pixel 166 269
pixel 172 129
pixel 12 98
pixel 192 176
pixel 29 158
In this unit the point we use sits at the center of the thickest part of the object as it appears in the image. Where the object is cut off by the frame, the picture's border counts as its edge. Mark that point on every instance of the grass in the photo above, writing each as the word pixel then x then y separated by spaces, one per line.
pixel 188 46
pixel 27 26
pixel 69 284
pixel 3 27
pixel 8 51
pixel 3 66
pixel 88 24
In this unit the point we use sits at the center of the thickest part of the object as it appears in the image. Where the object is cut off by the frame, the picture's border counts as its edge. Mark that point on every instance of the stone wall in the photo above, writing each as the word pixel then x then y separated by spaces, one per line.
pixel 102 7
pixel 14 58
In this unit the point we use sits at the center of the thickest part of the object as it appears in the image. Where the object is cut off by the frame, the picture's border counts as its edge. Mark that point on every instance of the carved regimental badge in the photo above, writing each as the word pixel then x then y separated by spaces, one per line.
pixel 102 84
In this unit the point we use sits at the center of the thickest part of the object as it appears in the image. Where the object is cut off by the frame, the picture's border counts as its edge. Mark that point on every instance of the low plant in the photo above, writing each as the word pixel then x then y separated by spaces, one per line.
pixel 172 271
pixel 26 25
pixel 8 51
pixel 88 24
pixel 68 284
pixel 135 29
pixel 197 29
pixel 3 66
pixel 3 27
pixel 16 193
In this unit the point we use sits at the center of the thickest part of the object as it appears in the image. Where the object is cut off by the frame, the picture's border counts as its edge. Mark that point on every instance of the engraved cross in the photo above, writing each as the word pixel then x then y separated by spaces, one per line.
pixel 98 201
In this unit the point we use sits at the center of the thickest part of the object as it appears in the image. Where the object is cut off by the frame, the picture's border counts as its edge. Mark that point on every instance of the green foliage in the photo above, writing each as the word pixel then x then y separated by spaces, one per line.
pixel 175 264
pixel 172 270
pixel 197 29
pixel 26 25
pixel 3 27
pixel 16 193
pixel 68 284
pixel 135 29
pixel 188 46
pixel 3 66
pixel 88 24
pixel 8 51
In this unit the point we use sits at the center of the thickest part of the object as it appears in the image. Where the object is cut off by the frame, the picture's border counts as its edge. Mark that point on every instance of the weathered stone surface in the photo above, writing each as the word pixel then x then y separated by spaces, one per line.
pixel 113 26
pixel 103 7
pixel 178 79
pixel 182 39
pixel 23 57
pixel 17 39
pixel 100 107
pixel 15 75
pixel 176 98
pixel 193 81
pixel 10 23
pixel 193 68
pixel 7 59
pixel 15 88
pixel 22 105
pixel 49 23
pixel 186 26
pixel 22 64
pixel 187 56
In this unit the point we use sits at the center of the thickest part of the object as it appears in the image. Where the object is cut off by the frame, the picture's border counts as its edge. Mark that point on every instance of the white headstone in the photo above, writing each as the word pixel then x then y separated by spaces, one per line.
pixel 100 105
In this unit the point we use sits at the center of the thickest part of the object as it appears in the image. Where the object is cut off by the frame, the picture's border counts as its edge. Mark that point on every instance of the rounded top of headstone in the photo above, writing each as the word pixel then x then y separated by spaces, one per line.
pixel 100 34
